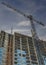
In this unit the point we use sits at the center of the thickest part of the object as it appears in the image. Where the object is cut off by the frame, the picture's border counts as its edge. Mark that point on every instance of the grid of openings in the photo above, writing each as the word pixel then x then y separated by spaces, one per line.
pixel 2 38
pixel 25 48
pixel 20 46
pixel 32 52
pixel 43 47
pixel 20 54
pixel 17 42
pixel 17 48
pixel 9 50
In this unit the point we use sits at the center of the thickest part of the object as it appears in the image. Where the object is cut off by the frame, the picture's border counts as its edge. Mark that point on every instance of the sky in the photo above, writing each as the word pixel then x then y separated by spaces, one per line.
pixel 20 24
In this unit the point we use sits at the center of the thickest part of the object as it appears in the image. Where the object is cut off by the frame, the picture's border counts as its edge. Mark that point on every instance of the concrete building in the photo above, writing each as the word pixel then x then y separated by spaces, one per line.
pixel 18 49
pixel 6 48
pixel 24 48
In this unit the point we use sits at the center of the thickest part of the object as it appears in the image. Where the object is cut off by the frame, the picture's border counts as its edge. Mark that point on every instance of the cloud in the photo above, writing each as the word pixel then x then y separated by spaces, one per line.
pixel 21 31
pixel 25 32
pixel 44 27
pixel 24 23
pixel 43 37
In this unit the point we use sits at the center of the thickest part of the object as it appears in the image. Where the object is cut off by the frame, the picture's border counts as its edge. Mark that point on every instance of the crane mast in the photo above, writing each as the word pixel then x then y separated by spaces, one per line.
pixel 35 38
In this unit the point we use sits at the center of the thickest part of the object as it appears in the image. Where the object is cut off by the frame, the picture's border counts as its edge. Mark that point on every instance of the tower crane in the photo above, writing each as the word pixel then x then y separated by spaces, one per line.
pixel 35 38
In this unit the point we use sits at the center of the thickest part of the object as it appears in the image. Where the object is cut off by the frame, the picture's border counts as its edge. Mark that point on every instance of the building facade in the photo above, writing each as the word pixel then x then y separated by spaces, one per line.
pixel 24 48
pixel 6 48
pixel 18 49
